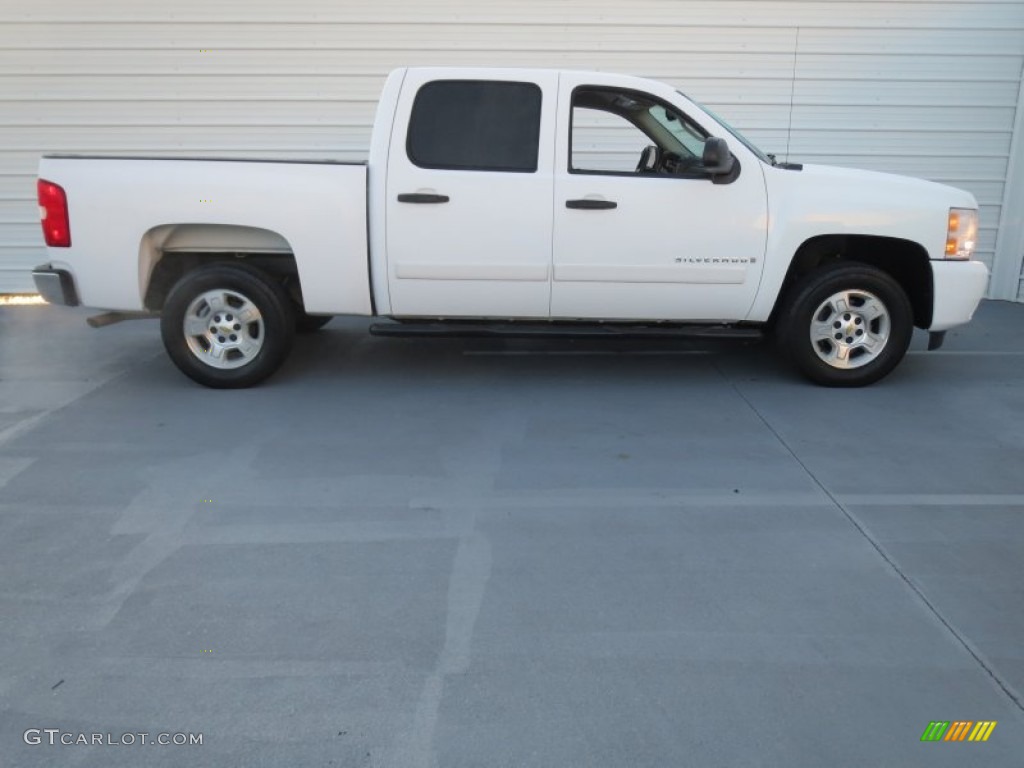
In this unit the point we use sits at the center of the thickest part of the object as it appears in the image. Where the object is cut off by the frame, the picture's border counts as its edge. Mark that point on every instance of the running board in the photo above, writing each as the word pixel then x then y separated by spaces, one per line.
pixel 110 318
pixel 455 329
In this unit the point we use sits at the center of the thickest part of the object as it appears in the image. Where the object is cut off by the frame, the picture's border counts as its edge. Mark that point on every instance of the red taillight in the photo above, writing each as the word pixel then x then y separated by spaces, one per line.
pixel 53 212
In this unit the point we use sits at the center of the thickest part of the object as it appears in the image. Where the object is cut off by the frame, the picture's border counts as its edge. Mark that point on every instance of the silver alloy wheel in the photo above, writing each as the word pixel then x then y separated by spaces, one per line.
pixel 223 329
pixel 850 329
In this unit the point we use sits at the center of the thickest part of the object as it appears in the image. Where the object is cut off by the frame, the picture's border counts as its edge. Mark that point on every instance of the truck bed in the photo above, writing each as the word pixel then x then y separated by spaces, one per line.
pixel 127 212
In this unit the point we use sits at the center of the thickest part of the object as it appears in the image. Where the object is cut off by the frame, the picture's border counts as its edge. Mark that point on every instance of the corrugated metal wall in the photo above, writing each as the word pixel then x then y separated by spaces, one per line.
pixel 927 88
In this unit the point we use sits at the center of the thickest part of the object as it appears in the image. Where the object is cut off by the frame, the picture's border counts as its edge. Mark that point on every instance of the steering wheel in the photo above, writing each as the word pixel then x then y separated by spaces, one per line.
pixel 650 160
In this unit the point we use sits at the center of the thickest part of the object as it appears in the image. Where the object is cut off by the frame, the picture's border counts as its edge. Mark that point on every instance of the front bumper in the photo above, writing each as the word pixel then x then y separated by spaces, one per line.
pixel 958 287
pixel 55 285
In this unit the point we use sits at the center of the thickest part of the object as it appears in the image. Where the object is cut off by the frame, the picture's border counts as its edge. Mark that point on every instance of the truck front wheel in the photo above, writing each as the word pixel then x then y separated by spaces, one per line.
pixel 846 325
pixel 227 325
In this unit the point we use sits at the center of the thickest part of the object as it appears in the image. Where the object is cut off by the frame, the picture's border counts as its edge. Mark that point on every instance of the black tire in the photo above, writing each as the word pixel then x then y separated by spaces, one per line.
pixel 310 323
pixel 874 344
pixel 267 339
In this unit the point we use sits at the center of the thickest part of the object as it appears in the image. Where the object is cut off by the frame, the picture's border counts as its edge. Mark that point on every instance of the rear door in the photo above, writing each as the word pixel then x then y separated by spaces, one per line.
pixel 469 195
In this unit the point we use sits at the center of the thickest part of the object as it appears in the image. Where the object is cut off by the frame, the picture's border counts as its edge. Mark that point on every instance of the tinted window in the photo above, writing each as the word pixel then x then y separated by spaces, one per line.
pixel 475 126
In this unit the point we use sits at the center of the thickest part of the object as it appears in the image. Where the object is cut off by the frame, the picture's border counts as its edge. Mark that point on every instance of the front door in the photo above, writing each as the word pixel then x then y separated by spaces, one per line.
pixel 641 233
pixel 469 187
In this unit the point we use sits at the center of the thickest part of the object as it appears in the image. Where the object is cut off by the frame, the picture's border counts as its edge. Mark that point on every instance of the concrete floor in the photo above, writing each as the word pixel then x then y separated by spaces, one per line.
pixel 473 553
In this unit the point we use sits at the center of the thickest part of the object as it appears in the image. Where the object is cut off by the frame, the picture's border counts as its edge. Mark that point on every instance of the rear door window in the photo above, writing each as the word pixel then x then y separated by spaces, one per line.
pixel 475 125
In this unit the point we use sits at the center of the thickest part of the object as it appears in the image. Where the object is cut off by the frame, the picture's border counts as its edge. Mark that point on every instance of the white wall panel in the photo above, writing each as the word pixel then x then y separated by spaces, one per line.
pixel 924 87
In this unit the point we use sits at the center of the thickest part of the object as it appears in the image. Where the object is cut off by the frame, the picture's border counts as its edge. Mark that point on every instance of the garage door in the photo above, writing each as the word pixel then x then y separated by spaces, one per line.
pixel 923 88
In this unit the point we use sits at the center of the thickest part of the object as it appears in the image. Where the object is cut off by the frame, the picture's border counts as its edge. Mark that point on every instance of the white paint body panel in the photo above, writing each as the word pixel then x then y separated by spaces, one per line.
pixel 380 150
pixel 504 246
pixel 318 209
pixel 958 287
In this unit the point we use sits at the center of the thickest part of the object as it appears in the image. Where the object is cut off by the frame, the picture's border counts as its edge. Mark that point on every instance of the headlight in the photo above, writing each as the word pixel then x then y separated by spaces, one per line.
pixel 962 235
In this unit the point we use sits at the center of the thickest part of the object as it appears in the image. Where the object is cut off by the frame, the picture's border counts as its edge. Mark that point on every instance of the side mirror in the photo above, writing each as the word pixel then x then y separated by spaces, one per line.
pixel 717 159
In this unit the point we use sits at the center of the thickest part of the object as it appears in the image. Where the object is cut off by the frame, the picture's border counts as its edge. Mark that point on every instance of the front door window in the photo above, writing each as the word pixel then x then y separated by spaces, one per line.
pixel 626 132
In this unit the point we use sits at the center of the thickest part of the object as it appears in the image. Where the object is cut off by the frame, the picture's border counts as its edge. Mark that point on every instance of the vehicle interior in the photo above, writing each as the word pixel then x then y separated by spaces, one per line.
pixel 677 144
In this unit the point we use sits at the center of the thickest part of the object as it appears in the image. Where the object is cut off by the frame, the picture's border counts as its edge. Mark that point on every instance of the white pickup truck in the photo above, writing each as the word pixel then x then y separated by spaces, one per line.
pixel 516 202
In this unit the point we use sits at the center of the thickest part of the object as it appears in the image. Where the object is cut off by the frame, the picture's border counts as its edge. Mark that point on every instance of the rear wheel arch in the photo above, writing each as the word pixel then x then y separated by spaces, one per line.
pixel 170 251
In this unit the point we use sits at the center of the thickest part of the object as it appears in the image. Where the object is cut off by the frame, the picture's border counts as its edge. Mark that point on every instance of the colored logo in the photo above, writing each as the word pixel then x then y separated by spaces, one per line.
pixel 958 730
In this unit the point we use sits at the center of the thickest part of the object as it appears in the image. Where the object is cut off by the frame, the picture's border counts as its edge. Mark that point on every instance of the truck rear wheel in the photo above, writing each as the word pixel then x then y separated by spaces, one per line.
pixel 227 325
pixel 846 325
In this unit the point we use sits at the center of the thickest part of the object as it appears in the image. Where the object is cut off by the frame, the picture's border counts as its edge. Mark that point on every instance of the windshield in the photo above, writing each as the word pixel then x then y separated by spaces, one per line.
pixel 735 134
pixel 688 135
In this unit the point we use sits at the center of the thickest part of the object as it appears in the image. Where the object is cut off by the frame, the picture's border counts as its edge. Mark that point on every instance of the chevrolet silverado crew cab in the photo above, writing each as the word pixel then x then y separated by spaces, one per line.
pixel 516 202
